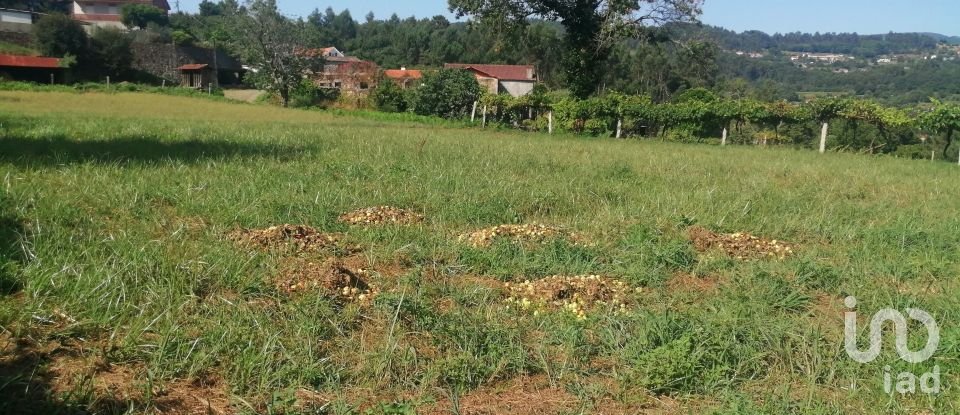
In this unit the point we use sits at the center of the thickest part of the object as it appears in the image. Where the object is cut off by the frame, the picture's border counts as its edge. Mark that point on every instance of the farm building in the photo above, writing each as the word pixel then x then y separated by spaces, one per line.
pixel 403 77
pixel 516 80
pixel 106 13
pixel 32 68
pixel 197 75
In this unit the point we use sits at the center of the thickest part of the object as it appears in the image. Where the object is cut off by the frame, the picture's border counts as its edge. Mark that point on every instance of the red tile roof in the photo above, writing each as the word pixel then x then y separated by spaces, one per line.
pixel 192 67
pixel 501 72
pixel 403 74
pixel 29 61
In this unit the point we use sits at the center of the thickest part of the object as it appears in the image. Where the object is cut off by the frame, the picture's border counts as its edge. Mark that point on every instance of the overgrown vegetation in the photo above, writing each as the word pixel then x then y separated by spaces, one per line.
pixel 134 297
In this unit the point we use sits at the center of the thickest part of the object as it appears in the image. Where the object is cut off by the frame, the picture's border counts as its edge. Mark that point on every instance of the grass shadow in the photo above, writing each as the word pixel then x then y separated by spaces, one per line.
pixel 11 255
pixel 60 149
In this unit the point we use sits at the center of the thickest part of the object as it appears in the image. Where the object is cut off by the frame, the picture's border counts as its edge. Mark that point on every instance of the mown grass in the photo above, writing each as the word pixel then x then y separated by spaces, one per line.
pixel 115 206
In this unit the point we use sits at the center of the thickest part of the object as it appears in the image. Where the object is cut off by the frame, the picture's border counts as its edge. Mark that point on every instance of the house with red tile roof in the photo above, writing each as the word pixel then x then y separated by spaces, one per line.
pixel 516 80
pixel 403 77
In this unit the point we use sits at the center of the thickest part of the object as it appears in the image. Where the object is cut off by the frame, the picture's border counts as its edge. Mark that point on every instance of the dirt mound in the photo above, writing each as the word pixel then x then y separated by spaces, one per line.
pixel 381 214
pixel 739 245
pixel 299 238
pixel 574 294
pixel 530 233
pixel 332 277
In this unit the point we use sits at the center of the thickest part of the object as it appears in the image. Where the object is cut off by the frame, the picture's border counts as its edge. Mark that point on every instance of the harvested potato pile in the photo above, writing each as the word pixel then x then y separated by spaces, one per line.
pixel 740 245
pixel 381 214
pixel 531 233
pixel 300 238
pixel 331 277
pixel 574 294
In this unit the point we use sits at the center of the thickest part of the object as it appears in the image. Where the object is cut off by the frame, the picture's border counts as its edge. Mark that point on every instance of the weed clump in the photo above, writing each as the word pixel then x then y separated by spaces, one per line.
pixel 740 245
pixel 331 277
pixel 381 214
pixel 299 238
pixel 531 233
pixel 575 294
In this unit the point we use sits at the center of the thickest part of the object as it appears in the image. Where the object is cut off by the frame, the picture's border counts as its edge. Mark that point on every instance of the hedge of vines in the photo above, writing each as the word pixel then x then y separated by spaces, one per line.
pixel 700 115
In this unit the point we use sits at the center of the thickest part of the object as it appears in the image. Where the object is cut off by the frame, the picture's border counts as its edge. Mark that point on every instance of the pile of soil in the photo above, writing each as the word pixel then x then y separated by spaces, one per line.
pixel 331 277
pixel 575 294
pixel 531 233
pixel 381 214
pixel 300 238
pixel 740 245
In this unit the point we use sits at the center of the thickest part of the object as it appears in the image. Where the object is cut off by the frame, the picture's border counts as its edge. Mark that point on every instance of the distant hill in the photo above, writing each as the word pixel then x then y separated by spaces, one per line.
pixel 868 46
pixel 953 40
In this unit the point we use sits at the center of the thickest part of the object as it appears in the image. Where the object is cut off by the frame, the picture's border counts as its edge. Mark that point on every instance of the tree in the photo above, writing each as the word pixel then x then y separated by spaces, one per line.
pixel 59 35
pixel 593 27
pixel 447 93
pixel 111 48
pixel 274 46
pixel 137 15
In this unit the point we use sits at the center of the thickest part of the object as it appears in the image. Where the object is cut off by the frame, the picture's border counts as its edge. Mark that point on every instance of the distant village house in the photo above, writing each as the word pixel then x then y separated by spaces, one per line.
pixel 106 13
pixel 346 73
pixel 516 80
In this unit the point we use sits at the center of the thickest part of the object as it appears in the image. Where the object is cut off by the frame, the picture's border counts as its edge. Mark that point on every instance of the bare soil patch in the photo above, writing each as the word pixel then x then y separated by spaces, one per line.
pixel 525 395
pixel 380 215
pixel 43 373
pixel 297 238
pixel 740 245
pixel 575 294
pixel 332 277
pixel 686 282
pixel 529 233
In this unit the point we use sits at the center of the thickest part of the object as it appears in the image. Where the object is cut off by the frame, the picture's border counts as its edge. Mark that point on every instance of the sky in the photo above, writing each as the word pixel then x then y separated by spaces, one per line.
pixel 861 16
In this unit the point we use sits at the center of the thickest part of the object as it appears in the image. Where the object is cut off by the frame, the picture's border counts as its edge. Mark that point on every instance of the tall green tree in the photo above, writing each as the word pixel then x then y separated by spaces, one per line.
pixel 274 46
pixel 593 27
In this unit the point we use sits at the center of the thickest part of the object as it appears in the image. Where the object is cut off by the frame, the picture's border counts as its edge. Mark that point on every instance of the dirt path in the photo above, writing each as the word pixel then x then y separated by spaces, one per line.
pixel 248 95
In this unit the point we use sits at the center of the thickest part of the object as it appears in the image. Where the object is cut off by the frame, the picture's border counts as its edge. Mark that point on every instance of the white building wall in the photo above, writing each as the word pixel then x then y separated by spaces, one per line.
pixel 517 88
pixel 9 16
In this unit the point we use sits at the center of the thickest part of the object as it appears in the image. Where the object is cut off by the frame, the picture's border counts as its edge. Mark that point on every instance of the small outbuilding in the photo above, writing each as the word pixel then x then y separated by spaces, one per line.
pixel 32 68
pixel 197 75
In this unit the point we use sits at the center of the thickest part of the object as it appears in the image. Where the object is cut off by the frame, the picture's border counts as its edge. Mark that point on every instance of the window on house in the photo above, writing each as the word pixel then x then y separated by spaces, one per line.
pixel 364 85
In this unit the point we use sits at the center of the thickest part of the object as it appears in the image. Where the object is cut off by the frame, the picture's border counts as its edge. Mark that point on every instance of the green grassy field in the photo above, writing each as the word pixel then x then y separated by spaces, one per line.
pixel 120 290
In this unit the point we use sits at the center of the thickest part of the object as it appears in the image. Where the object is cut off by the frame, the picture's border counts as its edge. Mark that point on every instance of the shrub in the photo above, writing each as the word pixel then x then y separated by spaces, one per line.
pixel 447 93
pixel 389 97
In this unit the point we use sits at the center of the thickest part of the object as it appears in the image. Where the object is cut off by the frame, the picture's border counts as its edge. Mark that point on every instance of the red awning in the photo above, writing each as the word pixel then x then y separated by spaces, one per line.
pixel 192 67
pixel 29 61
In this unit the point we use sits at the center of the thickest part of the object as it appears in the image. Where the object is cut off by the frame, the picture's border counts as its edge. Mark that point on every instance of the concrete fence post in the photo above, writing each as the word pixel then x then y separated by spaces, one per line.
pixel 723 140
pixel 473 113
pixel 550 122
pixel 823 138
